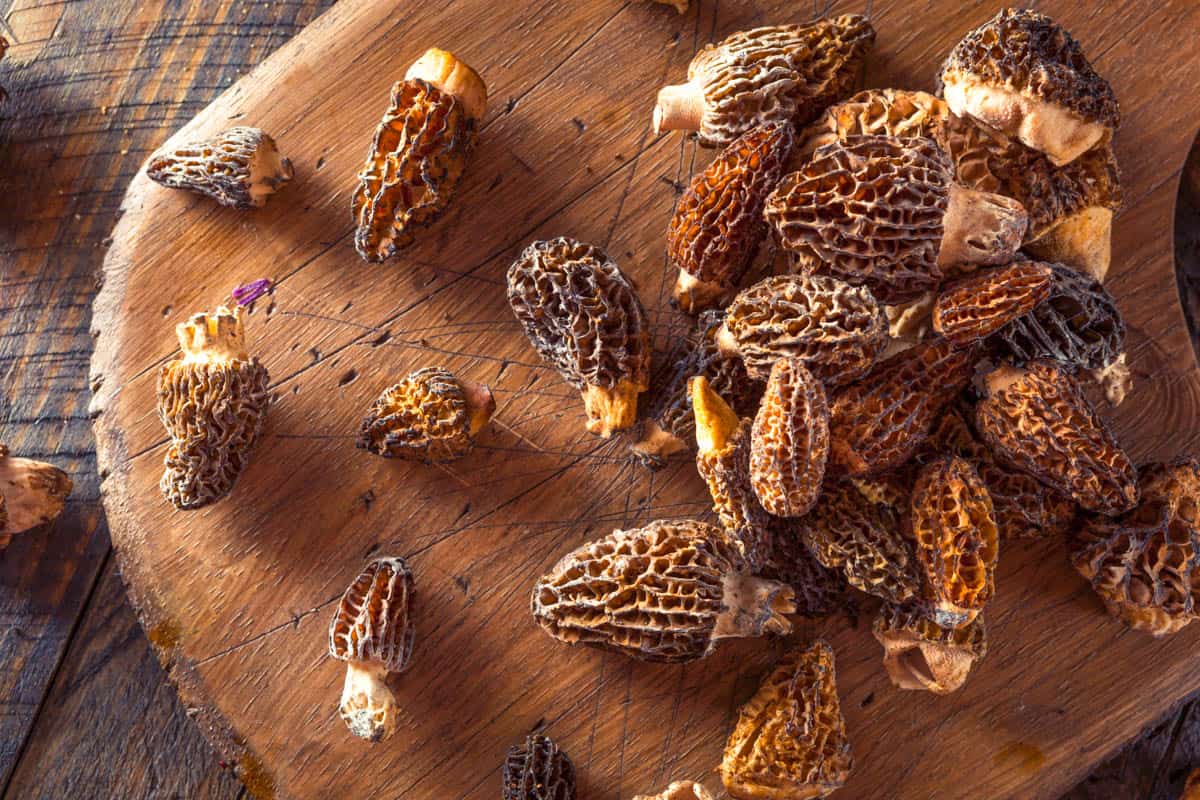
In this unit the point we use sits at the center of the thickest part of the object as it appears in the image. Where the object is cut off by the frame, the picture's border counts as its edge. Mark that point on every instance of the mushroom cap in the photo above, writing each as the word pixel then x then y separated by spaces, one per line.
pixel 373 621
pixel 429 415
pixel 31 493
pixel 790 440
pixel 981 304
pixel 898 113
pixel 537 770
pixel 239 168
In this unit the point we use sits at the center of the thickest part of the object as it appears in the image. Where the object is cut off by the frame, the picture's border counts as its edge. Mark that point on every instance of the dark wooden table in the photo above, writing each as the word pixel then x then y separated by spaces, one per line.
pixel 94 86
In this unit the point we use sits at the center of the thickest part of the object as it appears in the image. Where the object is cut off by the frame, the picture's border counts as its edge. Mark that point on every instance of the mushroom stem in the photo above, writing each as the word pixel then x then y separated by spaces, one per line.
pixel 694 295
pixel 928 666
pixel 981 228
pixel 452 76
pixel 216 337
pixel 268 171
pixel 1082 240
pixel 481 404
pixel 657 445
pixel 716 422
pixel 727 343
pixel 754 606
pixel 611 409
pixel 368 705
pixel 680 108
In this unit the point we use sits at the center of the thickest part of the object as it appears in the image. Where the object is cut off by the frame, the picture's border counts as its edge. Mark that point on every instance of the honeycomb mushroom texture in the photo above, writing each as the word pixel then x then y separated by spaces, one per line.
pixel 1145 564
pixel 718 222
pixel 679 790
pixel 372 631
pixel 1077 324
pixel 213 402
pixel 790 441
pixel 981 304
pixel 784 73
pixel 429 416
pixel 877 422
pixel 790 738
pixel 1037 420
pixel 957 542
pixel 31 493
pixel 538 770
pixel 920 654
pixel 820 591
pixel 239 168
pixel 836 329
pixel 583 317
pixel 1023 74
pixel 875 112
pixel 864 539
pixel 665 592
pixel 418 154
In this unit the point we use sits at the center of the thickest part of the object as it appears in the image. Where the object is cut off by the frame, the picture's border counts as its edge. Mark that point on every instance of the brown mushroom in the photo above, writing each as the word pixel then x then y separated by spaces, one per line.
pixel 920 654
pixel 820 591
pixel 790 441
pixel 981 304
pixel 874 112
pixel 429 416
pixel 537 770
pixel 679 790
pixel 31 493
pixel 239 168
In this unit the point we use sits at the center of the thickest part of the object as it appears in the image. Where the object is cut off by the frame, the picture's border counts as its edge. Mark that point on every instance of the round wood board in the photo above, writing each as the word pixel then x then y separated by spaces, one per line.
pixel 237 597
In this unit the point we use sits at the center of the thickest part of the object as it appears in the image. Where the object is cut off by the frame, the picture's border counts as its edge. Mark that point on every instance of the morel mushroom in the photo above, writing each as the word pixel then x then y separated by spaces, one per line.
pixel 790 739
pixel 1022 73
pixel 239 168
pixel 820 591
pixel 679 790
pixel 418 154
pixel 920 654
pixel 886 212
pixel 1145 564
pixel 790 441
pixel 429 416
pixel 784 73
pixel 875 112
pixel 213 403
pixel 31 492
pixel 981 304
pixel 836 329
pixel 583 317
pixel 372 631
pixel 538 770
pixel 1038 420
pixel 718 222
pixel 723 461
pixel 666 592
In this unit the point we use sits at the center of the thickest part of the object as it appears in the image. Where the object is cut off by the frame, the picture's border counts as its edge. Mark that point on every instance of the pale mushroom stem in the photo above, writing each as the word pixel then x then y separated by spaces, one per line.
pixel 1082 240
pixel 368 705
pixel 981 228
pixel 481 404
pixel 716 422
pixel 452 76
pixel 680 108
pixel 268 171
pixel 216 337
pixel 754 606
pixel 610 410
pixel 657 445
pixel 693 295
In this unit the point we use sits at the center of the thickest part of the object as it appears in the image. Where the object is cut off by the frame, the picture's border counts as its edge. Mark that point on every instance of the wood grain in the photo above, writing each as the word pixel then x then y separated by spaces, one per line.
pixel 237 595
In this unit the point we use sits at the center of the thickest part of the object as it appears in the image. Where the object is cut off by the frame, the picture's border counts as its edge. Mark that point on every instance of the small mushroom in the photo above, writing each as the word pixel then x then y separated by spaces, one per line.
pixel 537 770
pixel 429 416
pixel 790 441
pixel 372 631
pixel 240 168
pixel 920 654
pixel 31 493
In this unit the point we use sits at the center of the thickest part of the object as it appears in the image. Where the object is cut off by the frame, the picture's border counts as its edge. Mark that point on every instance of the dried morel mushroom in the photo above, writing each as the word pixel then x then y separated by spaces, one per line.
pixel 836 329
pixel 1145 564
pixel 790 739
pixel 886 212
pixel 1022 73
pixel 723 461
pixel 877 422
pixel 920 654
pixel 582 316
pixel 1037 420
pixel 819 590
pixel 538 770
pixel 979 305
pixel 875 112
pixel 784 73
pixel 862 538
pixel 213 403
pixel 671 427
pixel 429 416
pixel 1078 324
pixel 240 168
pixel 418 154
pixel 718 222
pixel 679 790
pixel 666 592
pixel 372 631
pixel 31 492
pixel 957 542
pixel 790 441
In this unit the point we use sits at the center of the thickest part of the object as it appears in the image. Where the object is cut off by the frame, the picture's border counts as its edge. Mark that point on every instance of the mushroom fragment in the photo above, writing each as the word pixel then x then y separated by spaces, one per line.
pixel 239 168
pixel 679 790
pixel 537 770
pixel 718 222
pixel 1145 564
pixel 1037 420
pixel 790 739
pixel 981 304
pixel 920 654
pixel 783 73
pixel 213 402
pixel 1023 74
pixel 666 592
pixel 790 441
pixel 429 416
pixel 418 154
pixel 31 492
pixel 372 631
pixel 886 212
pixel 875 112
pixel 957 542
pixel 909 323
pixel 820 591
pixel 836 329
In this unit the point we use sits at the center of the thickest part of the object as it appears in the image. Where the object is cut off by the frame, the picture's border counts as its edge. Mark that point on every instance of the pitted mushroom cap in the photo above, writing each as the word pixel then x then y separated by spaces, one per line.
pixel 537 770
pixel 897 113
pixel 430 416
pixel 239 168
pixel 983 303
pixel 790 441
pixel 374 619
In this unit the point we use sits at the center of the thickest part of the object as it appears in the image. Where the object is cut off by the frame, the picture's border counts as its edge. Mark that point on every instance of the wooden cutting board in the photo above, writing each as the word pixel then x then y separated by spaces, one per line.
pixel 237 597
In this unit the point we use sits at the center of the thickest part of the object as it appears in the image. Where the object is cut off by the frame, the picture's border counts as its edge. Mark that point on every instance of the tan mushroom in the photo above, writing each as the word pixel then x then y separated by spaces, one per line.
pixel 240 168
pixel 31 493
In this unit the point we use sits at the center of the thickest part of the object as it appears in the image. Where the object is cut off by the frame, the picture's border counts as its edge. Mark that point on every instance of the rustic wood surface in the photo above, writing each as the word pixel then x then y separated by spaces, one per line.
pixel 108 726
